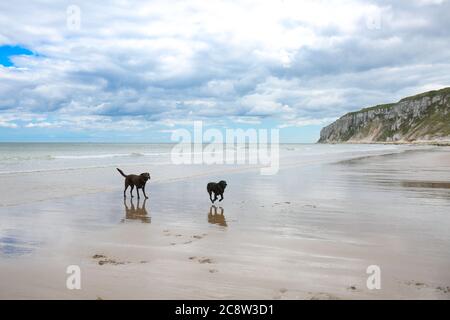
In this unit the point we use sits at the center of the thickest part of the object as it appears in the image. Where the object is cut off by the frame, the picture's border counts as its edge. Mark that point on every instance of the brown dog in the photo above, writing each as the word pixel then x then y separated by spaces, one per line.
pixel 135 180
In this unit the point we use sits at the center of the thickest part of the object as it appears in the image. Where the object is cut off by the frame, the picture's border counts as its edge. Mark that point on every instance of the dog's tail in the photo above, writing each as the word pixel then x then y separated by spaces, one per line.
pixel 121 172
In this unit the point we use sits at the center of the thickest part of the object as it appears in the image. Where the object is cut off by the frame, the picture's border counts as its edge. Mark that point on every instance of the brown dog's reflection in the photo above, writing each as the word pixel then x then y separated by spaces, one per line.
pixel 136 213
pixel 215 217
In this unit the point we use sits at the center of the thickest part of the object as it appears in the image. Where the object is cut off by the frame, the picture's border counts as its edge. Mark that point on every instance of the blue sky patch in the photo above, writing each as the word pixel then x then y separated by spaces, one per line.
pixel 6 52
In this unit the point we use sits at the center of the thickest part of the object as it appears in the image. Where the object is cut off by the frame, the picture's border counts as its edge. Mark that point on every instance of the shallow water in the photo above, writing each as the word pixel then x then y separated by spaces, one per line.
pixel 34 157
pixel 54 170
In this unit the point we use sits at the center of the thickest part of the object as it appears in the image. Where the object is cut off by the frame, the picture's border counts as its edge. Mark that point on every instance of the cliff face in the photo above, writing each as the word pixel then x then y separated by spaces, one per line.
pixel 424 117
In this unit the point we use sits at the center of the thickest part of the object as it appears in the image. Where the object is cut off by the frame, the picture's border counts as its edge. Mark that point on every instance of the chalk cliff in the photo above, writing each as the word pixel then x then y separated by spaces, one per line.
pixel 421 118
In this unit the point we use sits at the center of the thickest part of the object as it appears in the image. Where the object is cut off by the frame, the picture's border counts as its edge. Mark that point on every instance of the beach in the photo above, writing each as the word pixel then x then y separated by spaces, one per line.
pixel 308 232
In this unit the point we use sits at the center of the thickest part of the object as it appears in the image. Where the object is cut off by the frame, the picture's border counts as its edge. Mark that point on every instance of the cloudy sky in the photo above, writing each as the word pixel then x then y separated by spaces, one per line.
pixel 136 70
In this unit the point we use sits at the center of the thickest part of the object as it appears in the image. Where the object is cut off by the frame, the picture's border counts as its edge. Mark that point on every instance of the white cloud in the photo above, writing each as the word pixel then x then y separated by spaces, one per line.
pixel 5 124
pixel 430 2
pixel 134 65
pixel 41 125
pixel 306 122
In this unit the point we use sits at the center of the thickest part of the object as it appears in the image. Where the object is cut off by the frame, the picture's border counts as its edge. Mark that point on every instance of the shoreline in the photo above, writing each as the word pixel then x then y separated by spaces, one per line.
pixel 403 143
pixel 54 182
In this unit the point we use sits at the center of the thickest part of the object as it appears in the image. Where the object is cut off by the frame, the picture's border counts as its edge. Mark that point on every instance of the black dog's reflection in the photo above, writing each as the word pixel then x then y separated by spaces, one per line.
pixel 216 218
pixel 136 213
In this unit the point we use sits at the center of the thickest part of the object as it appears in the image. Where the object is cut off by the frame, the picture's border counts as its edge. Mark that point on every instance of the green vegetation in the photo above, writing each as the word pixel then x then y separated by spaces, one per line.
pixel 377 107
pixel 430 94
pixel 408 123
pixel 435 122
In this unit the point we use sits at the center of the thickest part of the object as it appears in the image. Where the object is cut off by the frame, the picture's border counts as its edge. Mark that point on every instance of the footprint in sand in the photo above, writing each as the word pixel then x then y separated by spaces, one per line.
pixel 213 270
pixel 322 296
pixel 198 237
pixel 416 284
pixel 205 260
pixel 443 289
pixel 102 259
pixel 111 261
pixel 281 203
pixel 280 294
pixel 192 238
pixel 421 285
pixel 201 260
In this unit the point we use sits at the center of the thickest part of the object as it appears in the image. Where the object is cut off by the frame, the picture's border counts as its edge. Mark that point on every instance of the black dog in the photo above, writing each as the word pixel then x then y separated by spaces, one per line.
pixel 137 181
pixel 217 188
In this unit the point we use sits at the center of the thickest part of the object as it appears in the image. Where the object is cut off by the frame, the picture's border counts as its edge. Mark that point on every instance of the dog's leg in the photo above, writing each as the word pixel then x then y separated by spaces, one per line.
pixel 131 191
pixel 210 197
pixel 137 190
pixel 215 197
pixel 124 190
pixel 221 197
pixel 143 190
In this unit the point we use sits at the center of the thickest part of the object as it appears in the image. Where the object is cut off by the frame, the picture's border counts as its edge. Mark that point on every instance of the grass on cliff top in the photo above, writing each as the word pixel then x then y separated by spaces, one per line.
pixel 377 107
pixel 430 94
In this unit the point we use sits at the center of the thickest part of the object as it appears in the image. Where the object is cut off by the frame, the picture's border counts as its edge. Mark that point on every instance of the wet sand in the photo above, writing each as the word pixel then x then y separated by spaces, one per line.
pixel 309 232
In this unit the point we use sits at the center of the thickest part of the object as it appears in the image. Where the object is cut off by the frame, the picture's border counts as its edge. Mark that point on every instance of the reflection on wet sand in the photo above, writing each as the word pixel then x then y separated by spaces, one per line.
pixel 215 217
pixel 13 246
pixel 426 184
pixel 136 213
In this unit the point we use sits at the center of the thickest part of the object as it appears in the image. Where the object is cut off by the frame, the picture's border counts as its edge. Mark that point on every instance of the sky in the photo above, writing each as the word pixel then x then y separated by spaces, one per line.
pixel 134 71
